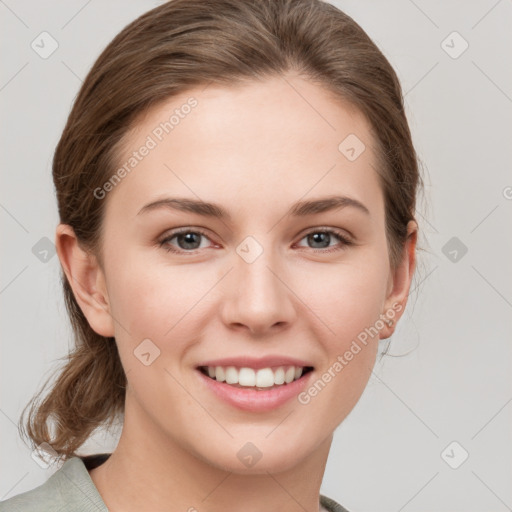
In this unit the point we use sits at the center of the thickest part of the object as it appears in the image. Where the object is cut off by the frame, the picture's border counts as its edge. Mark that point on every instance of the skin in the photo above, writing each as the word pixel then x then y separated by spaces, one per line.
pixel 255 149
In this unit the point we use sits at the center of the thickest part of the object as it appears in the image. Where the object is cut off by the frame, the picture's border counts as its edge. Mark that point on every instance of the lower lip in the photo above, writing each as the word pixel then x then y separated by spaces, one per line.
pixel 253 400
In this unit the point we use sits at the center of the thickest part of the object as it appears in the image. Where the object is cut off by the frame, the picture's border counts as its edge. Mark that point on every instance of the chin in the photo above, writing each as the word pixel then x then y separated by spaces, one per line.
pixel 247 459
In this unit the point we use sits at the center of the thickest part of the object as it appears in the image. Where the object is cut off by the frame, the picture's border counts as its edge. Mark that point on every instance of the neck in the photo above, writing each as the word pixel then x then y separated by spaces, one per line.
pixel 153 472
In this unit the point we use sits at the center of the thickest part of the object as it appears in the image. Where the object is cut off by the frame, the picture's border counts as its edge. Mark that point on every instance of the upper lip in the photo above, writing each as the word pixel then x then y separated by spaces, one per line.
pixel 260 362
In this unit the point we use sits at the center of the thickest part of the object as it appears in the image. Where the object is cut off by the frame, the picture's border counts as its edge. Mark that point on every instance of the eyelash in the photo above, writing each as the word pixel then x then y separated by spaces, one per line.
pixel 346 242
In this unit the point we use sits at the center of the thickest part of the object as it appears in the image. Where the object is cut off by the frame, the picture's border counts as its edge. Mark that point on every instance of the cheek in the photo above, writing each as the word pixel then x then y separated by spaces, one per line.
pixel 158 310
pixel 158 301
pixel 349 302
pixel 348 297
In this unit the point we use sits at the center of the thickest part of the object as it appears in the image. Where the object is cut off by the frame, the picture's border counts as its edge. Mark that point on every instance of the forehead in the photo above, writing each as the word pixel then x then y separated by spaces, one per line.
pixel 260 146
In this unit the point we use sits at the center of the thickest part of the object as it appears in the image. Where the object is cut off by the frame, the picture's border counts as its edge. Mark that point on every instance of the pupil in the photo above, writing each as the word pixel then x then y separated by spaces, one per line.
pixel 189 240
pixel 317 237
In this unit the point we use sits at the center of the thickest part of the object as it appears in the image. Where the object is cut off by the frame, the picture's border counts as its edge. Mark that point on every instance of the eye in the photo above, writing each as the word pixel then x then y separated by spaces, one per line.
pixel 321 239
pixel 188 240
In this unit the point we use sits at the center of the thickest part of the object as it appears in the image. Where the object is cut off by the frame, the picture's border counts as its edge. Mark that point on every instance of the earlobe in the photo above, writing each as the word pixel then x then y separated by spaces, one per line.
pixel 400 281
pixel 87 280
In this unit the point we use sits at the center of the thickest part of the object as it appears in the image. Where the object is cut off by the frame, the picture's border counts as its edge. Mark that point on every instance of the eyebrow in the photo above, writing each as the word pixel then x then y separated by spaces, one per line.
pixel 299 209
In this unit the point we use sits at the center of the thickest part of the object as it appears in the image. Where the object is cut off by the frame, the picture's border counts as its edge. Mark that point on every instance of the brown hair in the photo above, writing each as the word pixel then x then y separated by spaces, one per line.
pixel 167 50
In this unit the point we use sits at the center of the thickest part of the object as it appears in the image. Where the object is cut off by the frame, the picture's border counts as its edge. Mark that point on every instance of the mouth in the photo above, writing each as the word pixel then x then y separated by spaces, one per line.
pixel 256 379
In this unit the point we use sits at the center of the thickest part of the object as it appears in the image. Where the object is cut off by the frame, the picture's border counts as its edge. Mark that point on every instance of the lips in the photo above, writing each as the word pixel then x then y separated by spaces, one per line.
pixel 257 363
pixel 255 399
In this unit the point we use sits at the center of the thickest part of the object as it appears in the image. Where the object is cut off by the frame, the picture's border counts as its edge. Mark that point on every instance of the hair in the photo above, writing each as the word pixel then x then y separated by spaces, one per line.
pixel 171 48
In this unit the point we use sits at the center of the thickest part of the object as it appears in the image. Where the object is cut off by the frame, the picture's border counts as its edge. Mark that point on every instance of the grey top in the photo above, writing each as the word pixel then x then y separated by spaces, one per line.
pixel 71 489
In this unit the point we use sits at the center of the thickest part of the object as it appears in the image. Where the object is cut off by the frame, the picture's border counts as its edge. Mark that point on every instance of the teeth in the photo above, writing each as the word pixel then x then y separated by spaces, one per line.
pixel 264 378
pixel 249 377
pixel 220 375
pixel 231 375
pixel 279 376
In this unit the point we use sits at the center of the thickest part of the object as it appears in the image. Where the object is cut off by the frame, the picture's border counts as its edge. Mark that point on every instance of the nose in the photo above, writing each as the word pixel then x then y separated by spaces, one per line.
pixel 258 297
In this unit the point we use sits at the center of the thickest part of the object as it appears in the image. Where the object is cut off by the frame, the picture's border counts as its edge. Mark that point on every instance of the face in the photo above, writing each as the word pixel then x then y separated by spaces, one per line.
pixel 270 277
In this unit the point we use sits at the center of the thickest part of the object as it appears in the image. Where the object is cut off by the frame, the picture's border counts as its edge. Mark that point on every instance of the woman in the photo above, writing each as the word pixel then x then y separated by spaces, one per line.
pixel 236 186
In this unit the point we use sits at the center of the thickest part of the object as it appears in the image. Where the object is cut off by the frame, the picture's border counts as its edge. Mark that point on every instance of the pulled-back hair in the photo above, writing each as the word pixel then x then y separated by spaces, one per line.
pixel 178 45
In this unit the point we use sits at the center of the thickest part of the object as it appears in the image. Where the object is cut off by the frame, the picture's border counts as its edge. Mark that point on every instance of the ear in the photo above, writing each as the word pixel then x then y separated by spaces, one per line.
pixel 399 282
pixel 87 280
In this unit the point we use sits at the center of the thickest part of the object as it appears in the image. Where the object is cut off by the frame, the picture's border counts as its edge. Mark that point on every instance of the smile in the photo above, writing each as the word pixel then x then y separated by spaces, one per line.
pixel 261 378
pixel 255 390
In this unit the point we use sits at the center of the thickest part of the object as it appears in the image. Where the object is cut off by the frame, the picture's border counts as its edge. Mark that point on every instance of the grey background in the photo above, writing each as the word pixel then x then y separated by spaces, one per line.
pixel 452 382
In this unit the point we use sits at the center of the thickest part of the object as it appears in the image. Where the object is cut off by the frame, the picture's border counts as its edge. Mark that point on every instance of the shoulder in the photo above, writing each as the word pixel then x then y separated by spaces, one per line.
pixel 330 505
pixel 70 488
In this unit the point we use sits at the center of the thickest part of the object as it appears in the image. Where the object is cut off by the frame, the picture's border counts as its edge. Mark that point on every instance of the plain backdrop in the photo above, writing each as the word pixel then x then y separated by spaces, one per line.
pixel 432 430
